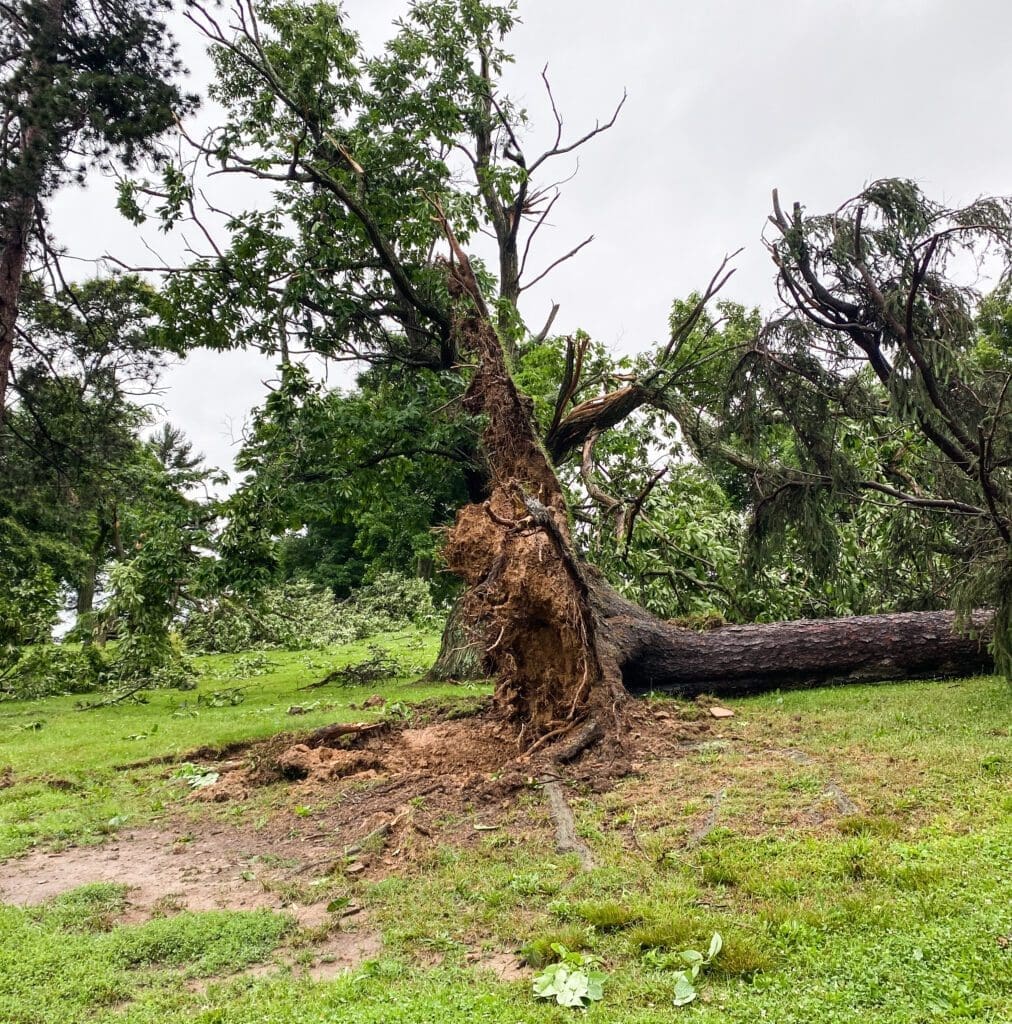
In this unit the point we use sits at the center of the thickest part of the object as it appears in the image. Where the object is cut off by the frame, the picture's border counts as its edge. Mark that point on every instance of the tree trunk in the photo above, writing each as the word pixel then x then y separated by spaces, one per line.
pixel 735 660
pixel 25 182
pixel 460 652
pixel 731 661
pixel 13 252
pixel 86 593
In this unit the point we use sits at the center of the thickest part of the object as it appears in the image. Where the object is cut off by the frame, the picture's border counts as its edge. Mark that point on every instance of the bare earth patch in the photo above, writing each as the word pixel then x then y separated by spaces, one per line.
pixel 219 869
pixel 382 798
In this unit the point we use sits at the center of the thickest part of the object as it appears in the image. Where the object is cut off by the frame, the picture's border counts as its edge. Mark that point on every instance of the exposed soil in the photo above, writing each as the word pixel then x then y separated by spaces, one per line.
pixel 170 870
pixel 381 799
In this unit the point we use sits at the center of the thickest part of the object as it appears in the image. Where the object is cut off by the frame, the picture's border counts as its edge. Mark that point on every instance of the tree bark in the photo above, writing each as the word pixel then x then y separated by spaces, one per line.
pixel 17 221
pixel 731 661
pixel 736 660
pixel 460 652
pixel 17 208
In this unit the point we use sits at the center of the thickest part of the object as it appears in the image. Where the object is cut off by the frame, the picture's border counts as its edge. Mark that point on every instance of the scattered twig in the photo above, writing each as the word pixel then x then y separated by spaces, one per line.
pixel 323 737
pixel 117 698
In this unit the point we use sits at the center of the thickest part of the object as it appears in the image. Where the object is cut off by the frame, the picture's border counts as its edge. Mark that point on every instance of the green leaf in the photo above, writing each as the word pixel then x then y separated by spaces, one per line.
pixel 716 945
pixel 685 991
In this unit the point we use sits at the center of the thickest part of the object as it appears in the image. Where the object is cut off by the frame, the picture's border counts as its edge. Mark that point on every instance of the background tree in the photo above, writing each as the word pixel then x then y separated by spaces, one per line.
pixel 71 440
pixel 89 505
pixel 889 378
pixel 81 84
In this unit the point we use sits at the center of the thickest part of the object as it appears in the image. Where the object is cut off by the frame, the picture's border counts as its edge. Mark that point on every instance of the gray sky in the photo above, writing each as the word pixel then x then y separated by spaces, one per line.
pixel 727 100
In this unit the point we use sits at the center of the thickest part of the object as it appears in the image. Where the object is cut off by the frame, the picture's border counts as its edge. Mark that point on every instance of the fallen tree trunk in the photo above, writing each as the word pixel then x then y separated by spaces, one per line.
pixel 734 660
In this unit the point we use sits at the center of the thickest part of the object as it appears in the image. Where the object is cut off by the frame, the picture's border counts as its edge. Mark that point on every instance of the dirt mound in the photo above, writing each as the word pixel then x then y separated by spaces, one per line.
pixel 478 753
pixel 449 749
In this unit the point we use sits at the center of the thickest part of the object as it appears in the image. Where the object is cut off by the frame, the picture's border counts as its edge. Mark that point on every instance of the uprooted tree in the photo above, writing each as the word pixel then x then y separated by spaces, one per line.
pixel 385 169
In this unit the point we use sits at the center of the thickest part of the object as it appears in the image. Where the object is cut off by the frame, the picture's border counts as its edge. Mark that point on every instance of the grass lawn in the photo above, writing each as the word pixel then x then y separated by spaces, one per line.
pixel 853 846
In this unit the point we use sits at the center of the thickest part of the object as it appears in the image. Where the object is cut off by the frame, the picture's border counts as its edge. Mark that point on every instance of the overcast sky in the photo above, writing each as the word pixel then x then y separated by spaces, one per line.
pixel 727 99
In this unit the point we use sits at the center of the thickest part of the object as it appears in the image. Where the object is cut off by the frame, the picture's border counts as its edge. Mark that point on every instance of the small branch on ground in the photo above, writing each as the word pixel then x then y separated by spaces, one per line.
pixel 323 737
pixel 117 698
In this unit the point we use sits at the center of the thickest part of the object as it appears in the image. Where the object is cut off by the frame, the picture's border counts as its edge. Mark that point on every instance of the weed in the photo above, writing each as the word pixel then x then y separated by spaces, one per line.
pixel 543 949
pixel 573 980
pixel 606 917
pixel 673 933
pixel 868 825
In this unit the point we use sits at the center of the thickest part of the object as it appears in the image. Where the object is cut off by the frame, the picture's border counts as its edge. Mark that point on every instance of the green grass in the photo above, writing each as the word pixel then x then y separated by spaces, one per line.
pixel 67 762
pixel 898 913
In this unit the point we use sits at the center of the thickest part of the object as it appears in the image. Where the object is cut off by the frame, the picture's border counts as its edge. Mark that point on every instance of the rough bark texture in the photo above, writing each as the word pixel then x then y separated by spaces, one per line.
pixel 17 219
pixel 461 655
pixel 25 183
pixel 733 660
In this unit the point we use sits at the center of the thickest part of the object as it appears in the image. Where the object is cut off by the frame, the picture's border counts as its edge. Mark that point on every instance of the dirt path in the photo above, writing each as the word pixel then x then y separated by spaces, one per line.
pixel 219 868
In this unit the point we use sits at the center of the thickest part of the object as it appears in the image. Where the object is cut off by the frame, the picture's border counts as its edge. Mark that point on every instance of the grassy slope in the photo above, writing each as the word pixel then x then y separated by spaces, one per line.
pixel 891 915
pixel 74 790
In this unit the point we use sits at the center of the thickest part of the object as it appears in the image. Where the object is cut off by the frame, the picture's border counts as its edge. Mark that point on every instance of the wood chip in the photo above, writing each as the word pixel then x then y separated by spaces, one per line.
pixel 718 712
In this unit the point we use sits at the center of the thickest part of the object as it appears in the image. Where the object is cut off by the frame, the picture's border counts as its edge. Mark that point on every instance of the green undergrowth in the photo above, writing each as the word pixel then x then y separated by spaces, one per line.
pixel 850 845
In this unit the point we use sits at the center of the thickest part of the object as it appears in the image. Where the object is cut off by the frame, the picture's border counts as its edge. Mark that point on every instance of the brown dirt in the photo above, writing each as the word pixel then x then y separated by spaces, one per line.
pixel 341 951
pixel 376 805
pixel 219 868
pixel 505 966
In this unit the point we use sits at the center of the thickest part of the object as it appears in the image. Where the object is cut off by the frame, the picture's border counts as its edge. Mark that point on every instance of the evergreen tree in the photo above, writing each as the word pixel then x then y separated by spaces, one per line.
pixel 83 82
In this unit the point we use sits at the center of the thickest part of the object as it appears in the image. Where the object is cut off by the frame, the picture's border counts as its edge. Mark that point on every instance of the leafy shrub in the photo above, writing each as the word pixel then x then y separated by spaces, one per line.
pixel 152 660
pixel 148 652
pixel 298 616
pixel 397 598
pixel 46 670
pixel 28 601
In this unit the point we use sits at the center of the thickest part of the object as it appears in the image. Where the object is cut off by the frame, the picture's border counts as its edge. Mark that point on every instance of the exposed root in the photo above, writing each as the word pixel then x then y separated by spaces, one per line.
pixel 591 732
pixel 566 839
pixel 528 598
pixel 710 821
pixel 844 804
